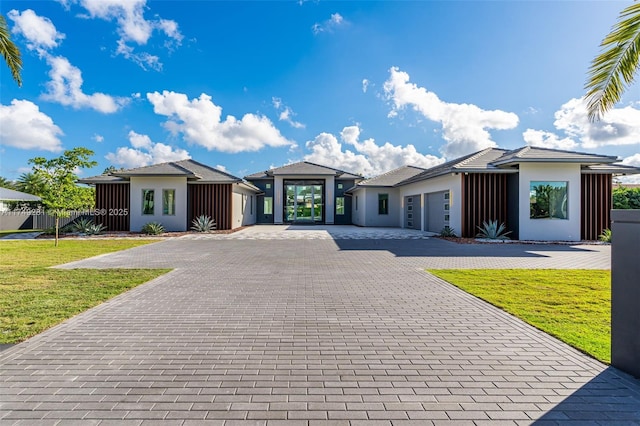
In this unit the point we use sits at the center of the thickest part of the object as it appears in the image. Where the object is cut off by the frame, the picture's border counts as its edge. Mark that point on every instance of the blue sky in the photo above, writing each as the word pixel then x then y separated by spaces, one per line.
pixel 362 86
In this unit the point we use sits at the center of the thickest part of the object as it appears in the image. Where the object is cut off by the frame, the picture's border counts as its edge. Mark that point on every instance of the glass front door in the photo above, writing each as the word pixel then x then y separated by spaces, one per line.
pixel 304 202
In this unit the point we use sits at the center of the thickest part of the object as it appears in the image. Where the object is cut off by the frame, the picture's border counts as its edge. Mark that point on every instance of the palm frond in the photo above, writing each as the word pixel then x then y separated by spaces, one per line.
pixel 10 51
pixel 616 66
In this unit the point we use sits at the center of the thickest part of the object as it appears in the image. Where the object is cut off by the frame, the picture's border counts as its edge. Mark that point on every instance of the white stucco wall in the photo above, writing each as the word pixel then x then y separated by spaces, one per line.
pixel 358 215
pixel 243 202
pixel 369 201
pixel 177 222
pixel 550 229
pixel 451 183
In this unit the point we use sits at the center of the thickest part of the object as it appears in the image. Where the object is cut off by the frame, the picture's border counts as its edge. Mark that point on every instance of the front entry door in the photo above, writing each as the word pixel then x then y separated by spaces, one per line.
pixel 304 203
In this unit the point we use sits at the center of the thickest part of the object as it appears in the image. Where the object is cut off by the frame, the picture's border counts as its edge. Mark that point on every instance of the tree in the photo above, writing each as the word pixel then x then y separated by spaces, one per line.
pixel 616 66
pixel 61 192
pixel 30 183
pixel 6 183
pixel 10 51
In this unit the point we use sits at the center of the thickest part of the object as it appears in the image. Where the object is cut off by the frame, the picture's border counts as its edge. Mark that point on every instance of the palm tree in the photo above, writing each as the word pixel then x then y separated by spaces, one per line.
pixel 617 65
pixel 30 183
pixel 10 51
pixel 6 183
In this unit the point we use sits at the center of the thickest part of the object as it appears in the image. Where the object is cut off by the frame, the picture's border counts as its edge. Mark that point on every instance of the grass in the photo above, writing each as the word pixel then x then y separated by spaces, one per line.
pixel 572 305
pixel 17 231
pixel 34 297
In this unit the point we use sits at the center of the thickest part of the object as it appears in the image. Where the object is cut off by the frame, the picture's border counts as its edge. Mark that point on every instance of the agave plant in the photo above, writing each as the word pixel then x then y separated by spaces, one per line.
pixel 447 231
pixel 153 228
pixel 203 223
pixel 605 236
pixel 492 231
pixel 95 229
pixel 82 225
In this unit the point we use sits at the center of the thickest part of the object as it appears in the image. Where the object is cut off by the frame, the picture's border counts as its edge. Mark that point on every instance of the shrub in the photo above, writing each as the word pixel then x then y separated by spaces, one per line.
pixel 448 232
pixel 153 228
pixel 203 224
pixel 605 236
pixel 492 231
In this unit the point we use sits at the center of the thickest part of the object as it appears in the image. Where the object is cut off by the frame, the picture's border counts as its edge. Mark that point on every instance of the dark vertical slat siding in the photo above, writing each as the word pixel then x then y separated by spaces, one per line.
pixel 212 200
pixel 484 198
pixel 112 206
pixel 596 204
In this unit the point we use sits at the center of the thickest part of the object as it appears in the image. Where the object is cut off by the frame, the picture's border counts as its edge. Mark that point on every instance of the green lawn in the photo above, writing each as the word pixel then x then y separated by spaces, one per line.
pixel 572 305
pixel 34 298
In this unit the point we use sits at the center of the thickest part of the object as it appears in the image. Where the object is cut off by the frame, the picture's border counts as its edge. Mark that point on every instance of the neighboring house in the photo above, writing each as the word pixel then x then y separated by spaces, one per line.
pixel 304 192
pixel 540 194
pixel 173 194
pixel 10 196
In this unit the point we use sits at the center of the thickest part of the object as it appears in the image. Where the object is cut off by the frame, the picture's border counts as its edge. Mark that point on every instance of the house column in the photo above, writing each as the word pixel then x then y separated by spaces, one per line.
pixel 278 200
pixel 329 200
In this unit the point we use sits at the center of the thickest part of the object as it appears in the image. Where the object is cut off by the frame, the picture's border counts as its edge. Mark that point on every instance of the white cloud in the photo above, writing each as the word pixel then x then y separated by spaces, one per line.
pixel 221 167
pixel 133 27
pixel 98 138
pixel 619 126
pixel 39 31
pixel 365 85
pixel 200 121
pixel 465 127
pixel 24 126
pixel 335 21
pixel 65 88
pixel 367 157
pixel 286 113
pixel 633 160
pixel 548 140
pixel 145 152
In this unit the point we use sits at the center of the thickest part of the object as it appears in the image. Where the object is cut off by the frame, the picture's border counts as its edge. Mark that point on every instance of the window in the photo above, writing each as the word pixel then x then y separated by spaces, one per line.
pixel 147 201
pixel 446 218
pixel 409 215
pixel 383 203
pixel 446 207
pixel 169 202
pixel 409 208
pixel 268 205
pixel 446 195
pixel 548 200
pixel 409 200
pixel 340 206
pixel 268 186
pixel 340 186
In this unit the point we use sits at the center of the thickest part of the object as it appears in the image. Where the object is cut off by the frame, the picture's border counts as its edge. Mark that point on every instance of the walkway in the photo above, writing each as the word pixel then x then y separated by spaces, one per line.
pixel 282 332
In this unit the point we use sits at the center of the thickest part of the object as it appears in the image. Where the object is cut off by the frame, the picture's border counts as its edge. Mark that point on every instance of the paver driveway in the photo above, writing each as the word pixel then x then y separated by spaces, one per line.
pixel 310 332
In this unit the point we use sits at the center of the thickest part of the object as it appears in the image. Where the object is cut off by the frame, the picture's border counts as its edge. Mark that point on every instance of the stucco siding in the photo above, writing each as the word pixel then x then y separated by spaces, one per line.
pixel 550 229
pixel 243 207
pixel 358 210
pixel 176 222
pixel 393 218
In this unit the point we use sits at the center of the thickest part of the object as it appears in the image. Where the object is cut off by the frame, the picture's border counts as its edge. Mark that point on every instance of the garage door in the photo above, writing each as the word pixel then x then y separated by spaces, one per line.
pixel 412 212
pixel 437 211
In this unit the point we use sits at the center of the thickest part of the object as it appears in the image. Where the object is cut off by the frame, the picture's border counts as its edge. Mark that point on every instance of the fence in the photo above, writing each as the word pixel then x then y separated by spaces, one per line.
pixel 17 219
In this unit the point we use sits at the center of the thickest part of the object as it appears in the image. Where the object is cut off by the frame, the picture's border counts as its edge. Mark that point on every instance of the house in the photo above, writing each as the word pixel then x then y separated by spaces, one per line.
pixel 10 196
pixel 173 194
pixel 539 193
pixel 304 192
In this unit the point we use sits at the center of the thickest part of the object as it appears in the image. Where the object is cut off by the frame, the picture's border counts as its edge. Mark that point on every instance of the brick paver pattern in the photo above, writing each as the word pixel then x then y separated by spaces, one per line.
pixel 305 332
